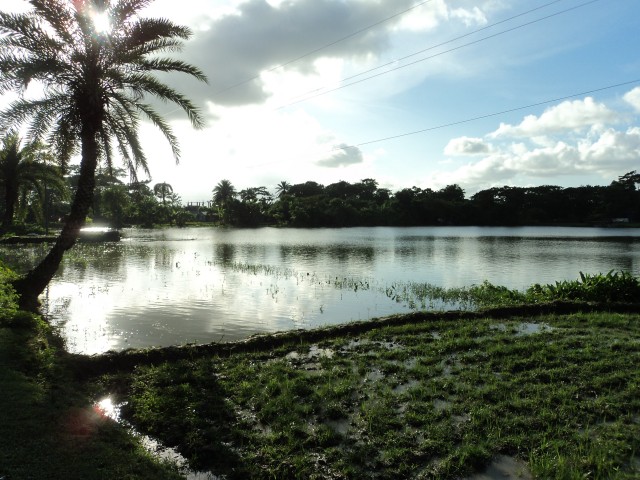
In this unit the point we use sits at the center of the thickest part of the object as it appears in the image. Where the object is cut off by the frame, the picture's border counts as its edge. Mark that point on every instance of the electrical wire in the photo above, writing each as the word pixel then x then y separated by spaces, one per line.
pixel 489 115
pixel 436 55
pixel 467 120
pixel 486 27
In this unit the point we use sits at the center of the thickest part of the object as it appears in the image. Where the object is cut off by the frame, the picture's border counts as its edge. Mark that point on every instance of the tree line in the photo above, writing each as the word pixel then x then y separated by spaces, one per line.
pixel 363 203
pixel 36 191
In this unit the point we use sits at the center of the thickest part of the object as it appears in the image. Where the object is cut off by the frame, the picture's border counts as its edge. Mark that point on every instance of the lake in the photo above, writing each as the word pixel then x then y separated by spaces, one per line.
pixel 173 286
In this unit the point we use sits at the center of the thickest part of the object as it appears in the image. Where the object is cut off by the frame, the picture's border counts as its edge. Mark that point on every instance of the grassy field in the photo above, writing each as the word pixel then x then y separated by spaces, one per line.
pixel 556 396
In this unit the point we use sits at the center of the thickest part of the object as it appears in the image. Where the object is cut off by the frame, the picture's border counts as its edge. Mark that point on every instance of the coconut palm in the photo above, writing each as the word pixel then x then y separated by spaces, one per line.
pixel 223 193
pixel 283 188
pixel 162 191
pixel 24 171
pixel 94 83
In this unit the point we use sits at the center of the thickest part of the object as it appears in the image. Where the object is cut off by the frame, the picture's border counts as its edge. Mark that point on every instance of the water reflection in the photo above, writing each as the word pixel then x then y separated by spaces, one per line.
pixel 172 286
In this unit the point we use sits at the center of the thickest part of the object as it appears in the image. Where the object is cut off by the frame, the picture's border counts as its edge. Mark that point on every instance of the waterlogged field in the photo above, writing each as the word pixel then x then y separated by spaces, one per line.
pixel 541 397
pixel 175 286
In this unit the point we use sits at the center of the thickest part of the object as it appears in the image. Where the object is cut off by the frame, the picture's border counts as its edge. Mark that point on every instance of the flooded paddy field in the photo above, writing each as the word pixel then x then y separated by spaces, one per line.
pixel 199 285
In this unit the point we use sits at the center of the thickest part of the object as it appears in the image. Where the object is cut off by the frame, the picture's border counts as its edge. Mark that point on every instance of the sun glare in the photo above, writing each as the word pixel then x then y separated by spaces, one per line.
pixel 101 22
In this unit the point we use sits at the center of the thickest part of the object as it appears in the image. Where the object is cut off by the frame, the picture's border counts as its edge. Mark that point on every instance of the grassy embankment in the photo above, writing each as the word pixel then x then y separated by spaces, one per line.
pixel 553 396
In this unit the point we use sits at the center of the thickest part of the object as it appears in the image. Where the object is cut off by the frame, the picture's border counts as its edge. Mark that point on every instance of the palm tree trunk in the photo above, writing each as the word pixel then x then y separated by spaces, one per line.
pixel 34 282
pixel 10 196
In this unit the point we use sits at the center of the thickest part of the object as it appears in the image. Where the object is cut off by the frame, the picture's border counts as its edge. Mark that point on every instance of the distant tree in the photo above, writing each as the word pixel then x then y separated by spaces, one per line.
pixel 223 195
pixel 628 181
pixel 282 188
pixel 306 189
pixel 162 191
pixel 115 204
pixel 366 189
pixel 93 88
pixel 24 170
pixel 451 193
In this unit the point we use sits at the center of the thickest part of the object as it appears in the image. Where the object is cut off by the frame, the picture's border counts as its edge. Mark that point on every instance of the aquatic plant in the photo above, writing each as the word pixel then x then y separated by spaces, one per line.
pixel 610 287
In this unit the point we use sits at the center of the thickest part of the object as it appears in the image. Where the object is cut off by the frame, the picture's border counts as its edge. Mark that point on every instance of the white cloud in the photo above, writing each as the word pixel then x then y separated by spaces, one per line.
pixel 426 17
pixel 467 146
pixel 343 156
pixel 633 98
pixel 470 17
pixel 566 116
pixel 238 48
pixel 606 154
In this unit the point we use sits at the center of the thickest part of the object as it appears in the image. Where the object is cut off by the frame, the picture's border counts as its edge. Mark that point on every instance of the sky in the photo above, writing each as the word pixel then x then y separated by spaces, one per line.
pixel 410 93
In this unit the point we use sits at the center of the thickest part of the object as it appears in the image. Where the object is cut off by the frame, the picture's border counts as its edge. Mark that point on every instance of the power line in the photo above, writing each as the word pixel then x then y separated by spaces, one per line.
pixel 437 54
pixel 358 32
pixel 468 120
pixel 489 115
pixel 304 95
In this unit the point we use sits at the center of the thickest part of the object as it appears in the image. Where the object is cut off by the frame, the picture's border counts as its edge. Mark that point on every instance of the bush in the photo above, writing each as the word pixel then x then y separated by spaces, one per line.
pixel 612 287
pixel 8 296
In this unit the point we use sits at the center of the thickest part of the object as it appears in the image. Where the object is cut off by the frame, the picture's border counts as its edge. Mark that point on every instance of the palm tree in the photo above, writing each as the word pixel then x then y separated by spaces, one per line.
pixel 283 188
pixel 223 193
pixel 94 82
pixel 162 191
pixel 23 171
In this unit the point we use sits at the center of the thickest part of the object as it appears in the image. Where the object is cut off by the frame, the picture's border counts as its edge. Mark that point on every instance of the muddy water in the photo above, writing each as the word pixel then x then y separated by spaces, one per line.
pixel 173 286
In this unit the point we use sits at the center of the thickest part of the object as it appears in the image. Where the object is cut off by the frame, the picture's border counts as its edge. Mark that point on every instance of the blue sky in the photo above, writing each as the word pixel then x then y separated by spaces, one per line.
pixel 260 133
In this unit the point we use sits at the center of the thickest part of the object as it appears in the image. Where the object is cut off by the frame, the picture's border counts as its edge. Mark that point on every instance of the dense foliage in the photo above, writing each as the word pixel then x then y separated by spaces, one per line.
pixel 342 204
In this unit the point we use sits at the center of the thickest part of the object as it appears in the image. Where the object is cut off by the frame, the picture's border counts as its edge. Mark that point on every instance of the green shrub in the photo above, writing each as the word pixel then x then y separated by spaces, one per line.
pixel 8 296
pixel 610 287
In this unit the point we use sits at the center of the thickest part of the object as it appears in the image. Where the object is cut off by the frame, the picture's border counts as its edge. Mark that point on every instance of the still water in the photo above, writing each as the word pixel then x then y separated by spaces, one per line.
pixel 174 286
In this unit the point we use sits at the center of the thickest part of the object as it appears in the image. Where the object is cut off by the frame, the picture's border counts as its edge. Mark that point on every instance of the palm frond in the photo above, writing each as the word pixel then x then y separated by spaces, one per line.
pixel 170 65
pixel 143 84
pixel 57 15
pixel 163 126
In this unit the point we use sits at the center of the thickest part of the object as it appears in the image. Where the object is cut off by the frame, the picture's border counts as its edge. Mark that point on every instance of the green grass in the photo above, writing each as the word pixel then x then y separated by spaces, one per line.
pixel 427 400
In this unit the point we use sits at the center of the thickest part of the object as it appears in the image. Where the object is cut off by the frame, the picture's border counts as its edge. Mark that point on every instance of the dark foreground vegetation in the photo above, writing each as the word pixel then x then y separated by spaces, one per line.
pixel 542 395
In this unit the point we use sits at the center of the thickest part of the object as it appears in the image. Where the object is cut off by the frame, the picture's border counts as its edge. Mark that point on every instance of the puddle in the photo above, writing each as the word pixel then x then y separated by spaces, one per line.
pixel 317 352
pixel 339 426
pixel 441 405
pixel 110 410
pixel 504 468
pixel 358 343
pixel 374 375
pixel 314 352
pixel 524 328
pixel 403 387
